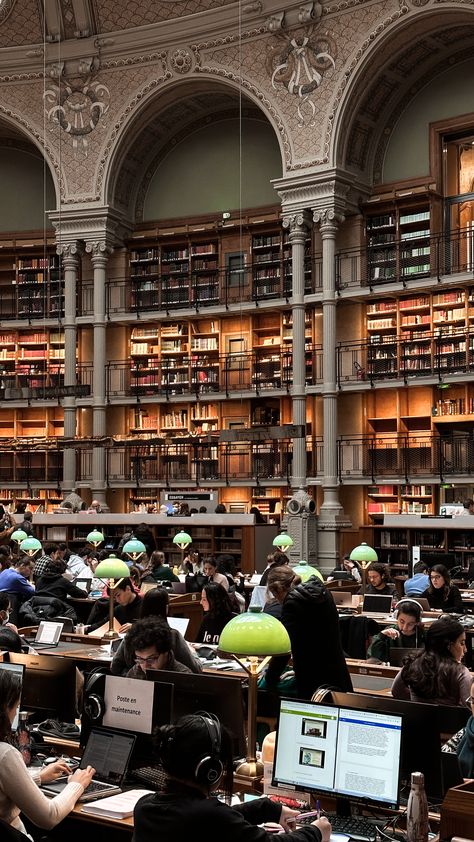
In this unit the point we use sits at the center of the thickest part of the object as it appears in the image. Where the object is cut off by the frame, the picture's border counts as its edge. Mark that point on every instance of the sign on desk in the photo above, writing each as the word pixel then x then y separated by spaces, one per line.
pixel 128 704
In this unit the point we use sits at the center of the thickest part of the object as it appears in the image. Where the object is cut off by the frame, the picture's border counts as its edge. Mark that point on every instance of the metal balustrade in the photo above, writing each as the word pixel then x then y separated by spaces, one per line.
pixel 405 456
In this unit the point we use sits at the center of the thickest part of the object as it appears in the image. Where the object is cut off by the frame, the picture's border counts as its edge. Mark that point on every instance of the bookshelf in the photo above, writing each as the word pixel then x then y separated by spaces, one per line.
pixel 396 537
pixel 398 243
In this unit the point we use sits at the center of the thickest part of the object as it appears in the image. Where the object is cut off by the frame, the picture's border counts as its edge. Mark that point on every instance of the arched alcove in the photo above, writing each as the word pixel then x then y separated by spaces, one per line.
pixel 26 182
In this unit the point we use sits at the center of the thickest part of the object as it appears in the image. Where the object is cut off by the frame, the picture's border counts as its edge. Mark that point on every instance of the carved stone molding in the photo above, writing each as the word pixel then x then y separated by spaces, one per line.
pixel 99 250
pixel 71 252
pixel 329 190
pixel 328 219
pixel 298 224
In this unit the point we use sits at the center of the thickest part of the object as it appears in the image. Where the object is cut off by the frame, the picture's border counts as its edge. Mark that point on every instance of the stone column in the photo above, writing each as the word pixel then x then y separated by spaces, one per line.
pixel 99 252
pixel 71 256
pixel 298 225
pixel 331 515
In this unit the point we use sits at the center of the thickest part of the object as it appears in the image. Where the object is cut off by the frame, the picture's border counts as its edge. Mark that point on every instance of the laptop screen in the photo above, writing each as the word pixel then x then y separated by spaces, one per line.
pixel 109 753
pixel 377 604
pixel 18 668
pixel 48 632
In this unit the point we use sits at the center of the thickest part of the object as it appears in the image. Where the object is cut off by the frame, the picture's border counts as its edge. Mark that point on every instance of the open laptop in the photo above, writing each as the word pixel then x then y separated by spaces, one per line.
pixel 47 635
pixel 178 587
pixel 343 599
pixel 377 606
pixel 109 753
pixel 84 584
pixel 399 653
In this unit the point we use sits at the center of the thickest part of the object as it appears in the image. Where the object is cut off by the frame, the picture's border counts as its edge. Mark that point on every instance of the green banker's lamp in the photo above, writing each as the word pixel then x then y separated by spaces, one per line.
pixel 364 555
pixel 283 542
pixel 18 536
pixel 95 538
pixel 254 635
pixel 112 570
pixel 182 540
pixel 30 546
pixel 134 549
pixel 305 571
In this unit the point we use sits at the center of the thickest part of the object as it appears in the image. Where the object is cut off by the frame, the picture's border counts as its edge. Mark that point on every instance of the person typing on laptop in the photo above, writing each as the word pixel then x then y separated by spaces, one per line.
pixel 150 642
pixel 407 633
pixel 18 788
pixel 378 576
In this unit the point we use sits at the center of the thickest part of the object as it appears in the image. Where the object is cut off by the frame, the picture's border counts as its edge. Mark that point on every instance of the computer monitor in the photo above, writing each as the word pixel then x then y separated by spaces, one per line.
pixel 422 725
pixel 49 686
pixel 19 669
pixel 217 694
pixel 353 754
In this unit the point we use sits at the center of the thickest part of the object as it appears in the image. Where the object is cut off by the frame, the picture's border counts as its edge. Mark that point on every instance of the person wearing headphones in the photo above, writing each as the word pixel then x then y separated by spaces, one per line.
pixel 196 754
pixel 407 633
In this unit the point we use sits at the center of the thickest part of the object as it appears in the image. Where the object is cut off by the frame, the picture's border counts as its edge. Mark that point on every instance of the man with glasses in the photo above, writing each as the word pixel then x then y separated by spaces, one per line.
pixel 150 641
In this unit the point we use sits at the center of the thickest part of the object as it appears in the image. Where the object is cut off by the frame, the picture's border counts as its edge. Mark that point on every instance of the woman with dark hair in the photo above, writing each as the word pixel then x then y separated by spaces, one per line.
pixel 158 570
pixel 19 791
pixel 441 594
pixel 437 675
pixel 154 604
pixel 218 610
pixel 276 559
pixel 310 617
pixel 53 582
pixel 196 754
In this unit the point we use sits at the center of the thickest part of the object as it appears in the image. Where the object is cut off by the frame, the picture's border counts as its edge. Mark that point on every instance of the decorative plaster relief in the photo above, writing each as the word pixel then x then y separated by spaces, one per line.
pixel 20 23
pixel 77 106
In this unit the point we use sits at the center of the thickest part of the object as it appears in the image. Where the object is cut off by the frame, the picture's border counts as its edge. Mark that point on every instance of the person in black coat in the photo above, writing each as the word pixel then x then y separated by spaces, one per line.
pixel 441 594
pixel 310 617
pixel 53 583
pixel 196 754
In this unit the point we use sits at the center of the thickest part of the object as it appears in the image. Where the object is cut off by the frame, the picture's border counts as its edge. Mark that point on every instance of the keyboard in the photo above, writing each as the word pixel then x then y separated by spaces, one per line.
pixel 154 777
pixel 96 786
pixel 358 829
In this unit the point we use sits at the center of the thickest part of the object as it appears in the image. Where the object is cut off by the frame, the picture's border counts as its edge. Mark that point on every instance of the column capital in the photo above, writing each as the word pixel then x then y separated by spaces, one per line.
pixel 70 252
pixel 328 219
pixel 99 250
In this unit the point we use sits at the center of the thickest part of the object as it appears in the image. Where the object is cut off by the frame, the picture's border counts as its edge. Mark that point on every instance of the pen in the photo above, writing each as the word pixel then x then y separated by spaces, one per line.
pixel 318 809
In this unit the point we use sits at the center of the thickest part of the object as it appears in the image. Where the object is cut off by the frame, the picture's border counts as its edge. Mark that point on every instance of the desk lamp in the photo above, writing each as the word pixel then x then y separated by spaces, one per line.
pixel 134 549
pixel 112 570
pixel 305 571
pixel 95 538
pixel 283 542
pixel 364 555
pixel 182 540
pixel 18 536
pixel 30 546
pixel 256 636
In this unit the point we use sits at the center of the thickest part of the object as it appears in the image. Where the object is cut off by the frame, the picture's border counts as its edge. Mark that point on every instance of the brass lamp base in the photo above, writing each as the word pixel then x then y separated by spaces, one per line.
pixel 250 769
pixel 111 634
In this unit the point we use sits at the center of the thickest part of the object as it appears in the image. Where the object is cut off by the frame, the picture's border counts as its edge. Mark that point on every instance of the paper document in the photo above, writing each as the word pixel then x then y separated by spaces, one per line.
pixel 178 623
pixel 117 806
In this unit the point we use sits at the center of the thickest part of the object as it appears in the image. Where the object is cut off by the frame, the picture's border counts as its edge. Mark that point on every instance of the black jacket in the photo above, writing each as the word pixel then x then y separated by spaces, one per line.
pixel 311 620
pixel 55 584
pixel 185 814
pixel 452 603
pixel 124 658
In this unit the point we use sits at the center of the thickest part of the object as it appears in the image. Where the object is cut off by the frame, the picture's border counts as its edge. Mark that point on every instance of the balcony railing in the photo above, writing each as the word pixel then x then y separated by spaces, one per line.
pixel 405 456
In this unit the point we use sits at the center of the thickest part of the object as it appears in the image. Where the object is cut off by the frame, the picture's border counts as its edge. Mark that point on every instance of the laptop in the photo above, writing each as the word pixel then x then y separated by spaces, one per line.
pixel 343 599
pixel 377 606
pixel 399 653
pixel 109 753
pixel 83 584
pixel 178 587
pixel 47 636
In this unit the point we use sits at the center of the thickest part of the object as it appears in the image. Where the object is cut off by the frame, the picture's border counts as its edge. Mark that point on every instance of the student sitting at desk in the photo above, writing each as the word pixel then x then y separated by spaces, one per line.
pixel 441 594
pixel 18 788
pixel 218 611
pixel 150 642
pixel 54 583
pixel 196 754
pixel 127 610
pixel 408 632
pixel 155 604
pixel 378 576
pixel 462 743
pixel 437 674
pixel 158 570
pixel 15 579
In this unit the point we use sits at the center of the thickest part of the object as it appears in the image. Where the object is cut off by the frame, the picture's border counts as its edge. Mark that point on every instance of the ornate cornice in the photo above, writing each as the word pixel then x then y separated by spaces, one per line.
pixel 92 225
pixel 331 189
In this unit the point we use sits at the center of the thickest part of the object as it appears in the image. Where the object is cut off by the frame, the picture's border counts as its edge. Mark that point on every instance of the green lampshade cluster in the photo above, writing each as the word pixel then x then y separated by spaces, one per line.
pixel 134 548
pixel 182 540
pixel 111 568
pixel 95 538
pixel 30 546
pixel 305 571
pixel 19 535
pixel 255 634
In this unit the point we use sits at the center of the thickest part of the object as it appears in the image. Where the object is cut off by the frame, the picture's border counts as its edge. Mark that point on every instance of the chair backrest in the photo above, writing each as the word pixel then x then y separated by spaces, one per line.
pixel 11 834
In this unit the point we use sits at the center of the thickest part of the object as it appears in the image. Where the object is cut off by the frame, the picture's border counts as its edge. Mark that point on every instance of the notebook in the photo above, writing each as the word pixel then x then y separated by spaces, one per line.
pixel 377 606
pixel 47 635
pixel 109 753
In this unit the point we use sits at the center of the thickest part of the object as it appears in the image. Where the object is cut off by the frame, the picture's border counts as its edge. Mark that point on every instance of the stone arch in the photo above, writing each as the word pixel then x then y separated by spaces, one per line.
pixel 22 135
pixel 393 64
pixel 163 114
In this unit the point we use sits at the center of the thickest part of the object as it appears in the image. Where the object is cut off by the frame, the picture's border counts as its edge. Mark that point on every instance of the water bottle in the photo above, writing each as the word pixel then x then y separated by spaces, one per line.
pixel 417 810
pixel 23 737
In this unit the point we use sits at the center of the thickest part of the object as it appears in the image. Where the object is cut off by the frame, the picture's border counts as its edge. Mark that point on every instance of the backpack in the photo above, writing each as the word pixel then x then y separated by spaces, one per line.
pixel 44 608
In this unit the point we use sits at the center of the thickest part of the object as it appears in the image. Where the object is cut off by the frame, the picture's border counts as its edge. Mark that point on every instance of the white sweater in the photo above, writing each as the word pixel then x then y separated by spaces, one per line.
pixel 20 793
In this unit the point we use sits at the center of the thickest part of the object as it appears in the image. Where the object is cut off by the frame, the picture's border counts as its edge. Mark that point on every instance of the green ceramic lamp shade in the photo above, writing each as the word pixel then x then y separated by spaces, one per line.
pixel 283 542
pixel 30 546
pixel 134 549
pixel 364 555
pixel 253 634
pixel 182 540
pixel 112 570
pixel 19 535
pixel 95 538
pixel 305 571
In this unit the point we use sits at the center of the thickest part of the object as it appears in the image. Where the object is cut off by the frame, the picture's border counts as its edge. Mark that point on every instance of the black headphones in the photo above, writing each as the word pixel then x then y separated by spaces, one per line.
pixel 209 768
pixel 93 695
pixel 404 603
